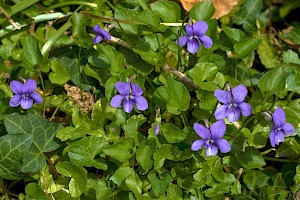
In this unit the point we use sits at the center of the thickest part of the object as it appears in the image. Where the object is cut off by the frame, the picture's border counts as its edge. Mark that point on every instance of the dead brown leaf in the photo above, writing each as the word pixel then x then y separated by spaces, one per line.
pixel 222 7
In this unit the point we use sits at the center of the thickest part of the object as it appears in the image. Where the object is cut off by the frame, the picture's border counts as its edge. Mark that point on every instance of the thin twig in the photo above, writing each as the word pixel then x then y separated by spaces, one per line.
pixel 181 76
pixel 9 19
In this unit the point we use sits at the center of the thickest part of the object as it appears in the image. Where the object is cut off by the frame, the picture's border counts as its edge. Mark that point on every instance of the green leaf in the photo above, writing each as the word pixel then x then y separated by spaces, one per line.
pixel 116 59
pixel 290 56
pixel 78 24
pixel 120 151
pixel 31 54
pixel 168 11
pixel 78 175
pixel 34 191
pixel 134 183
pixel 174 192
pixel 178 97
pixel 166 151
pixel 121 174
pixel 248 14
pixel 292 79
pixel 273 81
pixel 266 54
pixel 160 185
pixel 203 72
pixel 233 33
pixel 287 6
pixel 13 148
pixel 42 132
pixel 251 158
pixel 102 190
pixel 254 179
pixel 144 154
pixel 132 126
pixel 202 11
pixel 128 15
pixel 59 74
pixel 83 152
pixel 294 34
pixel 172 133
pixel 245 47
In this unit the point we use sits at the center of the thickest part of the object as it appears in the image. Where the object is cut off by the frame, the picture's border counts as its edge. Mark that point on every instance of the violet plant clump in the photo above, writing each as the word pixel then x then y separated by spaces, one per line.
pixel 279 127
pixel 130 94
pixel 25 94
pixel 233 103
pixel 195 36
pixel 212 138
pixel 100 34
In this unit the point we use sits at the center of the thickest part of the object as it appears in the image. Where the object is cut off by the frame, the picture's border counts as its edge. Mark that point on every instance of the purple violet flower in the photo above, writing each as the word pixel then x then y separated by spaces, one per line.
pixel 130 93
pixel 233 103
pixel 279 127
pixel 212 138
pixel 100 34
pixel 156 128
pixel 195 36
pixel 25 94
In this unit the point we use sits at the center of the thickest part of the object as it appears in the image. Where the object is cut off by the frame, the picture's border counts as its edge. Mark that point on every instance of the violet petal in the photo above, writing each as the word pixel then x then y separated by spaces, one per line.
pixel 36 98
pixel 123 88
pixel 26 103
pixel 97 29
pixel 246 109
pixel 233 115
pixel 197 144
pixel 182 40
pixel 141 103
pixel 128 105
pixel 206 41
pixel 202 131
pixel 218 129
pixel 193 46
pixel 29 86
pixel 116 101
pixel 223 145
pixel 136 89
pixel 189 30
pixel 239 93
pixel 15 100
pixel 221 112
pixel 278 117
pixel 97 39
pixel 16 87
pixel 211 150
pixel 200 28
pixel 105 34
pixel 223 96
pixel 288 129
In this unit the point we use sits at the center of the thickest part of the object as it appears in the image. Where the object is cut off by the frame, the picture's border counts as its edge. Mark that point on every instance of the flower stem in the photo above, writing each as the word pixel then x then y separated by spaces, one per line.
pixel 143 4
pixel 71 3
pixel 280 160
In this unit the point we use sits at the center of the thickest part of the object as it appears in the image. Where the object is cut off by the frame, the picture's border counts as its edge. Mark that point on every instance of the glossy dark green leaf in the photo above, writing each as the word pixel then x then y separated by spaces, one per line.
pixel 34 191
pixel 31 54
pixel 202 11
pixel 273 81
pixel 178 97
pixel 168 11
pixel 42 132
pixel 120 151
pixel 172 133
pixel 144 154
pixel 245 47
pixel 159 185
pixel 251 158
pixel 83 152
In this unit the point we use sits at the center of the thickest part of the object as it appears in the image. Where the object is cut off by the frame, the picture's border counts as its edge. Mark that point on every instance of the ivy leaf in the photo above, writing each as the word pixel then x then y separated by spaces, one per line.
pixel 78 175
pixel 13 148
pixel 42 132
pixel 248 14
